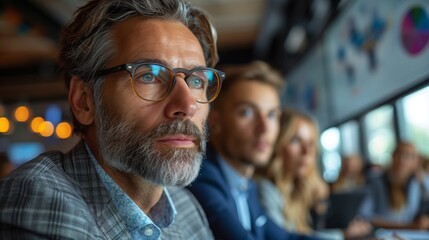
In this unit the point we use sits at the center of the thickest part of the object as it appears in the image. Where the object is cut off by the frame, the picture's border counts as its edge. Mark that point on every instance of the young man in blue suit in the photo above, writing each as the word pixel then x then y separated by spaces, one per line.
pixel 244 124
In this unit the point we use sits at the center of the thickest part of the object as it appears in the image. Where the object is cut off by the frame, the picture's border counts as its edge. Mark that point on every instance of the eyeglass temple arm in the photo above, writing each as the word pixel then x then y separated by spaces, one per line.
pixel 111 70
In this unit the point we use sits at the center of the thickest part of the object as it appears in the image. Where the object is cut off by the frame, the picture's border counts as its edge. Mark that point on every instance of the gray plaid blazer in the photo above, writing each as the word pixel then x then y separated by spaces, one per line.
pixel 60 196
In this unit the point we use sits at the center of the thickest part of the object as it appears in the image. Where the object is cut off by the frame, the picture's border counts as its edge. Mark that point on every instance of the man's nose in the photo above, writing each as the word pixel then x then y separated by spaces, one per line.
pixel 262 124
pixel 181 102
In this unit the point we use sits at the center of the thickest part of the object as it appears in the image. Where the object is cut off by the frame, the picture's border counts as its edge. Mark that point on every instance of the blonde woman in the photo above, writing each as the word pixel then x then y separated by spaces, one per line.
pixel 293 189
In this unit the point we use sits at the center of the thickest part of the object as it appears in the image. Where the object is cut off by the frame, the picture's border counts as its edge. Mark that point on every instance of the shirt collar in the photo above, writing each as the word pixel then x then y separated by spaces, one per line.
pixel 233 178
pixel 161 215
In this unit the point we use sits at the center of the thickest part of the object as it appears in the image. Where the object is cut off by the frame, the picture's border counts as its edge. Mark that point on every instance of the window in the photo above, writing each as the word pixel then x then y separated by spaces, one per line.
pixel 350 138
pixel 331 159
pixel 380 135
pixel 414 119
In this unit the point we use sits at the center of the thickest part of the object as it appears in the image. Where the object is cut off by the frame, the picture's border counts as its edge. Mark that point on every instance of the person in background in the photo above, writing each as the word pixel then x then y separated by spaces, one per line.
pixel 291 188
pixel 139 89
pixel 372 169
pixel 394 198
pixel 244 124
pixel 293 176
pixel 425 163
pixel 352 175
pixel 6 165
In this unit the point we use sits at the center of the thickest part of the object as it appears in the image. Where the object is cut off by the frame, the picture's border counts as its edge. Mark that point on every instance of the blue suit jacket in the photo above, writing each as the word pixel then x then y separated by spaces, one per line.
pixel 214 195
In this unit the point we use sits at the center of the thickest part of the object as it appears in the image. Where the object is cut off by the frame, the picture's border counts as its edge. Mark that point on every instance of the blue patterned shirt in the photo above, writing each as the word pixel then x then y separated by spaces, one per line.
pixel 137 222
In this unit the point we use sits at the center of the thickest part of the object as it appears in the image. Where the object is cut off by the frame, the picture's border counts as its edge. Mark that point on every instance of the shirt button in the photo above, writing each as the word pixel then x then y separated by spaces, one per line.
pixel 148 232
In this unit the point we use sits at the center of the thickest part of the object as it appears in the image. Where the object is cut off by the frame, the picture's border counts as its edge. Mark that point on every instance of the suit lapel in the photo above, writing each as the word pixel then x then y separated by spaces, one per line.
pixel 257 219
pixel 213 157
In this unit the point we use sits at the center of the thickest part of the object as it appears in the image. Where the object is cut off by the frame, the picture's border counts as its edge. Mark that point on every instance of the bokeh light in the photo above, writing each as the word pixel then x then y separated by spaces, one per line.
pixel 330 139
pixel 63 130
pixel 35 124
pixel 22 113
pixel 53 114
pixel 4 125
pixel 46 129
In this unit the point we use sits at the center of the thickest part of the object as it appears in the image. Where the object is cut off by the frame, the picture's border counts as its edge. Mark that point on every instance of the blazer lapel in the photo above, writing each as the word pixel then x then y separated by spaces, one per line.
pixel 257 218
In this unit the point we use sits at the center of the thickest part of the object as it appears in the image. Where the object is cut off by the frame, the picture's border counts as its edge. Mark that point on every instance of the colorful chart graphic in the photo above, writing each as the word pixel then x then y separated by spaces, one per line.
pixel 415 30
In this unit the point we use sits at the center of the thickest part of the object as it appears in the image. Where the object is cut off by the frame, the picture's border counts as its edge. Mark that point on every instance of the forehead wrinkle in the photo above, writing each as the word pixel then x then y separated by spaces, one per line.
pixel 164 43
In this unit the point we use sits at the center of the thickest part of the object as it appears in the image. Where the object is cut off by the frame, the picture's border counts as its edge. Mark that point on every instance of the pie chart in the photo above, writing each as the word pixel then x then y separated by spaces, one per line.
pixel 415 30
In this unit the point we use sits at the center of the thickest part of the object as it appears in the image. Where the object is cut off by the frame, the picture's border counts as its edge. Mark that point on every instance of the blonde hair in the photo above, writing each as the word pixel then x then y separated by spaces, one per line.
pixel 257 70
pixel 298 194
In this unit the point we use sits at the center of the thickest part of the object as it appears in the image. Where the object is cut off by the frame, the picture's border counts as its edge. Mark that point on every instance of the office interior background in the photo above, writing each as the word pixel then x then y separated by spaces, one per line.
pixel 360 67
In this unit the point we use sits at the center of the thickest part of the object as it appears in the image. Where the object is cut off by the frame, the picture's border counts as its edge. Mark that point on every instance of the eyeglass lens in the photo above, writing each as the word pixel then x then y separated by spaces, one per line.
pixel 154 82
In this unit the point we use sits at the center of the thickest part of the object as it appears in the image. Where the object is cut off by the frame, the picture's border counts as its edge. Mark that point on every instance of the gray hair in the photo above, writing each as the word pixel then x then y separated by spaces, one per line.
pixel 86 44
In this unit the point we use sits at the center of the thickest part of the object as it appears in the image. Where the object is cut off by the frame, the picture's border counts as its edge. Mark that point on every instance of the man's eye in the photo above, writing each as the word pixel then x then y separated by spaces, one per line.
pixel 246 112
pixel 273 115
pixel 146 78
pixel 195 82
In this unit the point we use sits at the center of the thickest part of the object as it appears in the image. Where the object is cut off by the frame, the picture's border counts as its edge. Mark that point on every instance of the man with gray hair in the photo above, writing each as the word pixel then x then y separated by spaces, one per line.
pixel 140 79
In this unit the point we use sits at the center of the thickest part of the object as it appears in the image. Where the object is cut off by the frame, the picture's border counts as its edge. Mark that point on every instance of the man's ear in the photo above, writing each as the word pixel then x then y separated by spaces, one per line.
pixel 81 101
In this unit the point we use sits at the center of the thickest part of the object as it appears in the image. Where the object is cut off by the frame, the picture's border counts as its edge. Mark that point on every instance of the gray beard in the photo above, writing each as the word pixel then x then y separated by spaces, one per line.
pixel 126 148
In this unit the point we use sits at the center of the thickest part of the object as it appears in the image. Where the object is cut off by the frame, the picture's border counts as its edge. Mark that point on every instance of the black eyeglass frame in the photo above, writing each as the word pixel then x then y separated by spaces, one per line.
pixel 131 68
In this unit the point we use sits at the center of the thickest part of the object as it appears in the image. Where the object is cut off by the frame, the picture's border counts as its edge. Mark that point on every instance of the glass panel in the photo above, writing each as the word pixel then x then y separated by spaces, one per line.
pixel 415 124
pixel 350 138
pixel 330 139
pixel 331 160
pixel 380 135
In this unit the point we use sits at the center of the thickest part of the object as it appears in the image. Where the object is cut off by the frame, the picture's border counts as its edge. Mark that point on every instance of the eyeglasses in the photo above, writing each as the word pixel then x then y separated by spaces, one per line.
pixel 154 81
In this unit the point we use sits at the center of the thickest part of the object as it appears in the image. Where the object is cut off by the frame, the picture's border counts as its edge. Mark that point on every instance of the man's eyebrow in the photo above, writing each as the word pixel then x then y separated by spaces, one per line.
pixel 165 63
pixel 252 104
pixel 153 60
pixel 241 103
pixel 247 104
